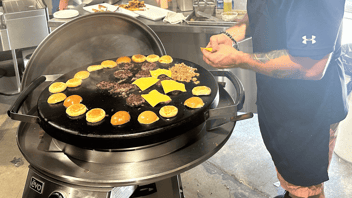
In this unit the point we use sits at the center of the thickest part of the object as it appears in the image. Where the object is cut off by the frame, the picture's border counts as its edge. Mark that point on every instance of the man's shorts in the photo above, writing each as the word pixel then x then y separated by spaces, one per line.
pixel 302 191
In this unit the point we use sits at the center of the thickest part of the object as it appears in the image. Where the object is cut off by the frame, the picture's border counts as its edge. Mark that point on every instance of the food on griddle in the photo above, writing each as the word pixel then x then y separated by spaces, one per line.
pixel 182 72
pixel 201 91
pixel 71 100
pixel 105 85
pixel 148 66
pixel 195 81
pixel 122 74
pixel 154 97
pixel 166 59
pixel 162 77
pixel 123 59
pixel 76 110
pixel 109 64
pixel 138 58
pixel 147 117
pixel 134 100
pixel 57 87
pixel 94 68
pixel 122 88
pixel 145 83
pixel 127 66
pixel 74 82
pixel 152 58
pixel 95 115
pixel 120 118
pixel 142 74
pixel 168 111
pixel 82 75
pixel 171 85
pixel 158 72
pixel 134 5
pixel 56 98
pixel 194 102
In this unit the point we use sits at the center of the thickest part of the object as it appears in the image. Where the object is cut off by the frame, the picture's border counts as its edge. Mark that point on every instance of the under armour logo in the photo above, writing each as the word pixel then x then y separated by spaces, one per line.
pixel 305 39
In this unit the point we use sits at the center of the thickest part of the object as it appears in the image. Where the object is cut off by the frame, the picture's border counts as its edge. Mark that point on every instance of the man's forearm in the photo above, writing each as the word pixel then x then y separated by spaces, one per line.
pixel 289 73
pixel 279 64
pixel 240 30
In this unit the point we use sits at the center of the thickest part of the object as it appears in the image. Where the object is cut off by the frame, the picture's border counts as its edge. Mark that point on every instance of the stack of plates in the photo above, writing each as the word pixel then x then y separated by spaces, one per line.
pixel 65 14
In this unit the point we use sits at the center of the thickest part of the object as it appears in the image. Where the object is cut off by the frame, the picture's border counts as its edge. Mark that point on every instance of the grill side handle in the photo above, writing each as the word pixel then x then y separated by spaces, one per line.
pixel 236 82
pixel 219 116
pixel 13 111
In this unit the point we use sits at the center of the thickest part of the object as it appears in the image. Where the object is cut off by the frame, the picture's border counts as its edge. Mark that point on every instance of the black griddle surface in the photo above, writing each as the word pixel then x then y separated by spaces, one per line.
pixel 54 116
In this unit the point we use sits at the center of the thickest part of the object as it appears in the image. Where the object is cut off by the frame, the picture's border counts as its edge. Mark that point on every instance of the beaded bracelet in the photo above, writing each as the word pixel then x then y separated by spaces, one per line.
pixel 234 42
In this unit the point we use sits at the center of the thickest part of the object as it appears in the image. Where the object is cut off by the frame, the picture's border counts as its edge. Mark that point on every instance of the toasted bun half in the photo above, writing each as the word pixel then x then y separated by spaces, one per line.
pixel 152 58
pixel 109 64
pixel 166 59
pixel 56 98
pixel 82 75
pixel 76 110
pixel 120 118
pixel 201 91
pixel 194 102
pixel 168 111
pixel 147 117
pixel 94 68
pixel 71 100
pixel 74 82
pixel 57 87
pixel 138 58
pixel 123 59
pixel 95 115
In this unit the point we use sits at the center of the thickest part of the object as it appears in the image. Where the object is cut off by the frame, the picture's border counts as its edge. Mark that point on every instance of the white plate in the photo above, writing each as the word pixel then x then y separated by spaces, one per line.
pixel 65 14
pixel 109 8
pixel 153 12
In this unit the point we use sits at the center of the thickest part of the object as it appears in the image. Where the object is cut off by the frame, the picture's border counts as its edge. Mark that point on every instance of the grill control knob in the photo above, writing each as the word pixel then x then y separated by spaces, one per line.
pixel 56 195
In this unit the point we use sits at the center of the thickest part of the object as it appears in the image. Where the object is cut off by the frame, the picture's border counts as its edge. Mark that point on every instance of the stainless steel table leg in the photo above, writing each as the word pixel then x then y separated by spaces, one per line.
pixel 17 72
pixel 180 187
pixel 167 188
pixel 170 188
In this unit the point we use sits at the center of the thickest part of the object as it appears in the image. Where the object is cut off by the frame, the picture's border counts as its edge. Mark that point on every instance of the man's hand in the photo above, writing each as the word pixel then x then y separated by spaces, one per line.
pixel 219 39
pixel 222 56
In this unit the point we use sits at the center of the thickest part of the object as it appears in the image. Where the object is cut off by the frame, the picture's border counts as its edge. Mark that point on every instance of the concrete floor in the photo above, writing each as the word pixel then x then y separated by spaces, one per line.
pixel 242 168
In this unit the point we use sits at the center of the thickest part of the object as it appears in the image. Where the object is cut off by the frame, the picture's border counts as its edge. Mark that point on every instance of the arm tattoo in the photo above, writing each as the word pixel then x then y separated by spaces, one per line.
pixel 283 74
pixel 265 57
pixel 287 74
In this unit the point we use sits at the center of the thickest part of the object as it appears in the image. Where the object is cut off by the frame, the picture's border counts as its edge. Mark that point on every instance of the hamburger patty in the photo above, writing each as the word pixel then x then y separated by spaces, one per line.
pixel 134 100
pixel 126 65
pixel 122 88
pixel 162 77
pixel 148 66
pixel 142 74
pixel 122 74
pixel 105 85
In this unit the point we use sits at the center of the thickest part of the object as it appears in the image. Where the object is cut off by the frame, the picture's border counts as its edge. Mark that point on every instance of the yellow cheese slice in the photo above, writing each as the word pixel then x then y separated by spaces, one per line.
pixel 171 85
pixel 158 72
pixel 209 49
pixel 145 83
pixel 154 97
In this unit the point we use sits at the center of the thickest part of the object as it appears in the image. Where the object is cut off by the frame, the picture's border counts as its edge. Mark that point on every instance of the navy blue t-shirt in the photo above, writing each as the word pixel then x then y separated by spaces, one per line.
pixel 294 115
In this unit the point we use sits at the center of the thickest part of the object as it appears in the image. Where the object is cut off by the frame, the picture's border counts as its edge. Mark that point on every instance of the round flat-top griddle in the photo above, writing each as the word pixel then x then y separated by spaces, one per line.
pixel 78 132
